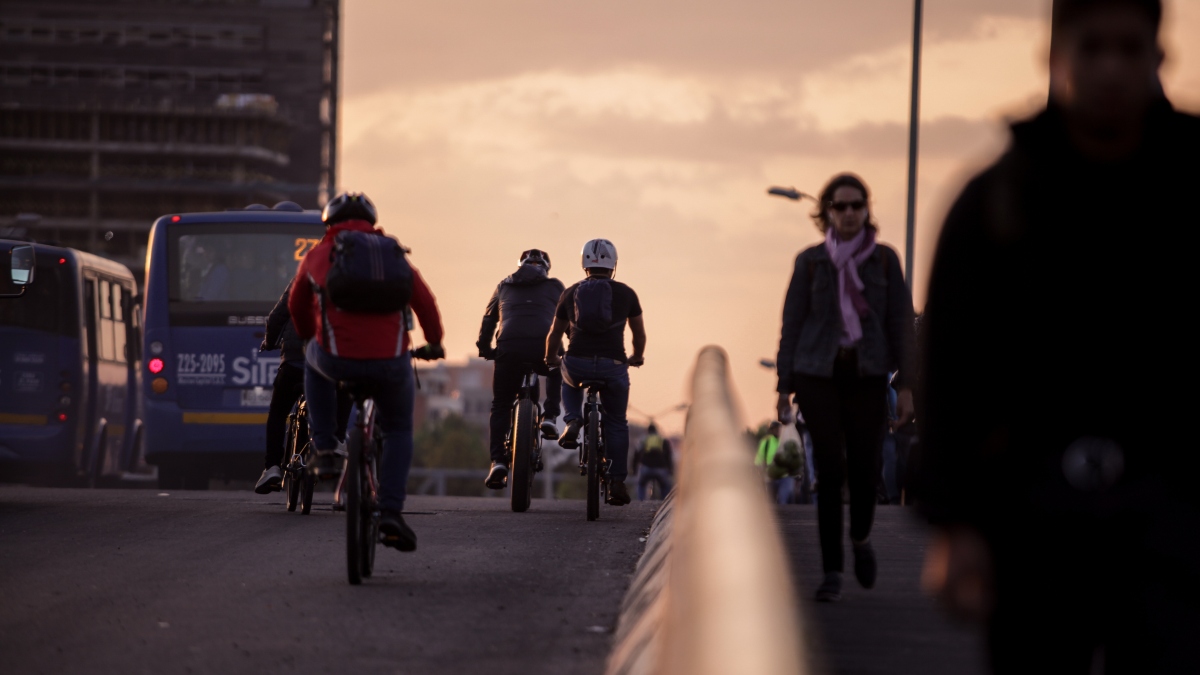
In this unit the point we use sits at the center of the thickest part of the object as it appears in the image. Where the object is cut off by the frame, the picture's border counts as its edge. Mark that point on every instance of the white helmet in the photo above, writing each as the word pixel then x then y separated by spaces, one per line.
pixel 600 253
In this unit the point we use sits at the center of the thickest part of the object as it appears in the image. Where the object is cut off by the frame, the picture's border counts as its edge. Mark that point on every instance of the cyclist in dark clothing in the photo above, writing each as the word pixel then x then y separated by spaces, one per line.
pixel 596 311
pixel 1065 489
pixel 288 387
pixel 523 308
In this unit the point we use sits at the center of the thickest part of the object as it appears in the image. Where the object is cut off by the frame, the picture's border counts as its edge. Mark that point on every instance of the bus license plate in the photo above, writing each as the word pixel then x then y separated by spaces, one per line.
pixel 257 397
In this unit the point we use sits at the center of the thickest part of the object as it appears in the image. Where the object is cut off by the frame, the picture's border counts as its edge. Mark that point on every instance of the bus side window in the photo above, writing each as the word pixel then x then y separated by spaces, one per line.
pixel 118 311
pixel 133 331
pixel 105 327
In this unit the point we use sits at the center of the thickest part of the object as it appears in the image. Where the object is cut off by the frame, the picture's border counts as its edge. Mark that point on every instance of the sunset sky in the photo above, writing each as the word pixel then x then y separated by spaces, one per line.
pixel 481 129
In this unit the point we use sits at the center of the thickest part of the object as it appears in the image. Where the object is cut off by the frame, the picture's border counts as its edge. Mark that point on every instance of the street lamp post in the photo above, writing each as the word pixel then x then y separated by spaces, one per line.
pixel 914 126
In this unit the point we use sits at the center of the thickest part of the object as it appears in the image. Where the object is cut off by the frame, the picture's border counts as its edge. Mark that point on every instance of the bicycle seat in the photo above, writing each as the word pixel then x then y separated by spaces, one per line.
pixel 359 391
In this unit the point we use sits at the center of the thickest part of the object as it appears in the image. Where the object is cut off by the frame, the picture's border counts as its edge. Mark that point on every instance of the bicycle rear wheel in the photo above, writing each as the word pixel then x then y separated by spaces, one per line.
pixel 593 459
pixel 354 506
pixel 520 480
pixel 370 521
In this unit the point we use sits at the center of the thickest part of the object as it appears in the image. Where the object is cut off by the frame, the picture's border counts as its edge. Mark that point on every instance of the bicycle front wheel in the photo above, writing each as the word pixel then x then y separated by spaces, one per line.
pixel 593 469
pixel 520 480
pixel 354 506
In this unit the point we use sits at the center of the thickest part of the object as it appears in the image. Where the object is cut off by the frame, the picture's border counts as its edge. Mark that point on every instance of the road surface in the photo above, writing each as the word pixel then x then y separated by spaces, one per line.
pixel 137 581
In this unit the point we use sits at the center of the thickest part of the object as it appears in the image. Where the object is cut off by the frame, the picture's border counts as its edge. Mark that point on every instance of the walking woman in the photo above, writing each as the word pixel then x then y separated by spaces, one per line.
pixel 847 324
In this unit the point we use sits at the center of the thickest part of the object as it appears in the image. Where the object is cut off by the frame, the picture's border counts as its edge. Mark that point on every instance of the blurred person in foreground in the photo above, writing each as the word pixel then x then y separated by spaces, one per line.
pixel 847 324
pixel 1065 491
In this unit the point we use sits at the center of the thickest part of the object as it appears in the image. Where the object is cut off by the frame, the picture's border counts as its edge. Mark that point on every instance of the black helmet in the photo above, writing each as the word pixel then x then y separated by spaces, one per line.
pixel 348 206
pixel 535 256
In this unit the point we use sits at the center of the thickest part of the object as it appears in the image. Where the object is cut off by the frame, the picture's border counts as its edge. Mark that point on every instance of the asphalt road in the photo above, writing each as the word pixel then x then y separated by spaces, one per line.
pixel 134 581
pixel 892 629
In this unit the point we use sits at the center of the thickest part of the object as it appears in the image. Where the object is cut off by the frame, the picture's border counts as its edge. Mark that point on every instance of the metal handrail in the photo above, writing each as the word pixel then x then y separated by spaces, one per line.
pixel 731 606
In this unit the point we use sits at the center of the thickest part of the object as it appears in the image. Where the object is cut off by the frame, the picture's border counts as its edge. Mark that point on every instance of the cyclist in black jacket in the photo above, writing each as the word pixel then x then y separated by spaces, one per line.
pixel 523 308
pixel 288 387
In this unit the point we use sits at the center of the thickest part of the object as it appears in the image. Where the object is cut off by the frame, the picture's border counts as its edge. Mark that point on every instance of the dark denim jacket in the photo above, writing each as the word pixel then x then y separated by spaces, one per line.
pixel 812 320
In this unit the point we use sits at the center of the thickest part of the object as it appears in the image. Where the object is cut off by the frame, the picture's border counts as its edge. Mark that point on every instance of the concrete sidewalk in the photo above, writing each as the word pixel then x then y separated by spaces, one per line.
pixel 892 629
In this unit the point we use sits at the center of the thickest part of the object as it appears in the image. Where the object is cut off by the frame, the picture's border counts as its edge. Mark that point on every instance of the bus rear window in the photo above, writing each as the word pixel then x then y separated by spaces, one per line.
pixel 223 263
pixel 47 305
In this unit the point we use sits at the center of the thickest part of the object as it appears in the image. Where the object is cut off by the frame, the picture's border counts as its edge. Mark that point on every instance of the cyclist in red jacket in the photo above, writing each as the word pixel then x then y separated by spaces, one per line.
pixel 353 346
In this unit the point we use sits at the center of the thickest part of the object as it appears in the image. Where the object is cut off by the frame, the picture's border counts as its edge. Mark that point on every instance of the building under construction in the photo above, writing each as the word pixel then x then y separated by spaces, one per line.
pixel 115 112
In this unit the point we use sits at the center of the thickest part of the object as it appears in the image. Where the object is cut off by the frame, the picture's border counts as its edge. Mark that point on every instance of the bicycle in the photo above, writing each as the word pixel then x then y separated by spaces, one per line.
pixel 360 482
pixel 525 440
pixel 298 479
pixel 592 462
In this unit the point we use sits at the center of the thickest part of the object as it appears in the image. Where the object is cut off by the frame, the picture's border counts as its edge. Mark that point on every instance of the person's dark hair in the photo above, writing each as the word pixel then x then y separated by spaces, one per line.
pixel 1067 12
pixel 821 215
pixel 652 429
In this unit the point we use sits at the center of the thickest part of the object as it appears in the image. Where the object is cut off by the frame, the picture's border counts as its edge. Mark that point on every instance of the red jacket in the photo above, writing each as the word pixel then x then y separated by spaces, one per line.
pixel 354 335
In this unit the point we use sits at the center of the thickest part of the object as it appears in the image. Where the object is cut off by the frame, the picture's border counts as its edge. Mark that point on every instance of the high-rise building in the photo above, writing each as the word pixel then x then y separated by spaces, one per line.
pixel 115 112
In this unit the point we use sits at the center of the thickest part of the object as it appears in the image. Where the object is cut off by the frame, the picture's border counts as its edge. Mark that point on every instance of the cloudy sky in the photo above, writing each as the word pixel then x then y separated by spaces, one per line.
pixel 484 128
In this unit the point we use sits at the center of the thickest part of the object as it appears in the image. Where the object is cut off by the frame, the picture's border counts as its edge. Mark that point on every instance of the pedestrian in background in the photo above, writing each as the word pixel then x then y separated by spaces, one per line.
pixel 847 324
pixel 779 484
pixel 1065 489
pixel 653 463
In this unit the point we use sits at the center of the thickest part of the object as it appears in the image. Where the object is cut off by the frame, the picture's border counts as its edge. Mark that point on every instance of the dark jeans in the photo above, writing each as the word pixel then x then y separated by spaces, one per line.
pixel 615 398
pixel 393 411
pixel 846 414
pixel 506 382
pixel 289 385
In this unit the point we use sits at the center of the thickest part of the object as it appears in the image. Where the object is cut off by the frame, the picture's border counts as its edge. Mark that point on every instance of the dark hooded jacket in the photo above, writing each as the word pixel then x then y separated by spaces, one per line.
pixel 523 309
pixel 1055 389
pixel 281 332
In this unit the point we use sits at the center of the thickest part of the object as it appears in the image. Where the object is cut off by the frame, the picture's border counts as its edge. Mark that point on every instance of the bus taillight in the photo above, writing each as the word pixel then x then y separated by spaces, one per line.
pixel 155 366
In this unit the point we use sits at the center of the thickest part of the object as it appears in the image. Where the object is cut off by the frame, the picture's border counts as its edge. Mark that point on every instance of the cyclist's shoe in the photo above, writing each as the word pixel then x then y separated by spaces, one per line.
pixel 270 481
pixel 549 431
pixel 617 494
pixel 497 478
pixel 394 532
pixel 570 435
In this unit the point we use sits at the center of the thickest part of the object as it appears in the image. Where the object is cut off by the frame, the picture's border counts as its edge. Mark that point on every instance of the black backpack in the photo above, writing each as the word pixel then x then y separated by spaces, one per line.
pixel 593 306
pixel 368 273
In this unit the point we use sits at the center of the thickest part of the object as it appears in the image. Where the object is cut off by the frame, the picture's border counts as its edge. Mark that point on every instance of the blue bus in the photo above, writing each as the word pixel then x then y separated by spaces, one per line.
pixel 211 281
pixel 70 371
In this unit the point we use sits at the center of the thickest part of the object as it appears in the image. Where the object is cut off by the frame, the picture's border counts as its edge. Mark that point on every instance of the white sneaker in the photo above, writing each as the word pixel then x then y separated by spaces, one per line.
pixel 270 481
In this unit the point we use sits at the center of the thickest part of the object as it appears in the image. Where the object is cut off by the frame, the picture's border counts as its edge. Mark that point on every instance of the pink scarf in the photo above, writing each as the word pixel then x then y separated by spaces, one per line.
pixel 846 257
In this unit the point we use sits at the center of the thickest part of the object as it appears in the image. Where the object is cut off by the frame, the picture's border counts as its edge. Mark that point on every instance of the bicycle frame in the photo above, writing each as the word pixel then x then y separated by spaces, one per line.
pixel 364 419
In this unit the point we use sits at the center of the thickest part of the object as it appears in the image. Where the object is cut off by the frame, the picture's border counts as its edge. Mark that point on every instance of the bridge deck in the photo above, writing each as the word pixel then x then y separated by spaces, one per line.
pixel 890 629
pixel 108 581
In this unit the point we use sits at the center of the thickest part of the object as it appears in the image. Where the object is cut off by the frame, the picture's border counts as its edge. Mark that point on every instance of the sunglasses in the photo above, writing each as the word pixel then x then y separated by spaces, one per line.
pixel 842 207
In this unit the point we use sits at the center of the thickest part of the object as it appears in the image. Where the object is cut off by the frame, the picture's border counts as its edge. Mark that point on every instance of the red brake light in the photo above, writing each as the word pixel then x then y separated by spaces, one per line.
pixel 62 417
pixel 175 219
pixel 155 366
pixel 62 261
